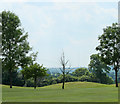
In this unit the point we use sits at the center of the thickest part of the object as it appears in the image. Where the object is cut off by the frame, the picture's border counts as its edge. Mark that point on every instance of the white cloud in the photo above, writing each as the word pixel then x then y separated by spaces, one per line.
pixel 72 27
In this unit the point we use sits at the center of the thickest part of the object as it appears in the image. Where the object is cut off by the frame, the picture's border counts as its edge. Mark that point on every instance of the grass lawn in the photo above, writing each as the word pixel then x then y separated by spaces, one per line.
pixel 73 92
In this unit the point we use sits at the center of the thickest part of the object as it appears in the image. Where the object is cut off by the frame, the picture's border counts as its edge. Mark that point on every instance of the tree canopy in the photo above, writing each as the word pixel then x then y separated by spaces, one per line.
pixel 80 72
pixel 108 47
pixel 99 69
pixel 34 71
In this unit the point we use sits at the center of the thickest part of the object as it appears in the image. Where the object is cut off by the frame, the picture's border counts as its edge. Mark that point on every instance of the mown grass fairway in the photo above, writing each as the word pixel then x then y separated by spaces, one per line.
pixel 73 92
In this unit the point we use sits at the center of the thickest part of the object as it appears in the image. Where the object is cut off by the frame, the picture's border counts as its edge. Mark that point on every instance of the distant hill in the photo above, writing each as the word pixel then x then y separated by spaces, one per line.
pixel 57 70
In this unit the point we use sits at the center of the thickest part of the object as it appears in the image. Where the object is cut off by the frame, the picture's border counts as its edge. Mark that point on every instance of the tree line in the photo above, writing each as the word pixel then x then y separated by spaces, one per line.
pixel 81 74
pixel 17 53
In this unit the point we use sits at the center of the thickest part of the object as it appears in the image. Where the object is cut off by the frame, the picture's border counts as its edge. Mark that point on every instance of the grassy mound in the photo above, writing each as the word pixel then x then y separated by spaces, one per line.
pixel 70 85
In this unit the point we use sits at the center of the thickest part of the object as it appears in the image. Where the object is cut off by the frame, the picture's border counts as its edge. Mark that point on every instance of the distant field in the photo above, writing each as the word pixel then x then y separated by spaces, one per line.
pixel 73 92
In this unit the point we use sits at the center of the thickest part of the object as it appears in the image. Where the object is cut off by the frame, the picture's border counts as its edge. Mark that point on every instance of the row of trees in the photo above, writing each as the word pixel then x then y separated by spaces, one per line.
pixel 80 74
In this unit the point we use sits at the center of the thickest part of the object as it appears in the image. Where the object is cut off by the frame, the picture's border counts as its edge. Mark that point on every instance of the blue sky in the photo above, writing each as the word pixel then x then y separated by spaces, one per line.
pixel 70 27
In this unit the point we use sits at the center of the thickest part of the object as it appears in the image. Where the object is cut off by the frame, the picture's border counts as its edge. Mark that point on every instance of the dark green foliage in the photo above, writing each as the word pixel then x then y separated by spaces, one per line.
pixel 85 78
pixel 83 74
pixel 81 71
pixel 99 69
pixel 17 78
pixel 68 78
pixel 34 71
pixel 71 78
pixel 29 83
pixel 109 47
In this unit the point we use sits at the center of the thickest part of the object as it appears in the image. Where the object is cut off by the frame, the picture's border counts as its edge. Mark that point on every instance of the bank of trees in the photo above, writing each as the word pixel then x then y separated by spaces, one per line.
pixel 55 78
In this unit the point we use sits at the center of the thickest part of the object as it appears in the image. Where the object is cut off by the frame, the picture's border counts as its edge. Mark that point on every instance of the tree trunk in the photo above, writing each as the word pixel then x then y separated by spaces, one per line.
pixel 24 80
pixel 63 80
pixel 10 73
pixel 116 78
pixel 63 77
pixel 35 81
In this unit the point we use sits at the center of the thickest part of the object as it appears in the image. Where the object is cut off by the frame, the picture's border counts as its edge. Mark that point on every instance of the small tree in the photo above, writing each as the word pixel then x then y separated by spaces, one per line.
pixel 27 61
pixel 63 69
pixel 108 48
pixel 34 71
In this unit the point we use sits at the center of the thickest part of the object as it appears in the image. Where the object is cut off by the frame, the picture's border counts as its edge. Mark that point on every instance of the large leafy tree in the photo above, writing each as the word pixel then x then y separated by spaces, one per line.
pixel 109 47
pixel 99 69
pixel 14 43
pixel 34 71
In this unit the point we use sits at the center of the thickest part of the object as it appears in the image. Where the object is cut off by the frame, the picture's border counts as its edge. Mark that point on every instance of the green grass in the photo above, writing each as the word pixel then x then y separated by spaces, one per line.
pixel 73 92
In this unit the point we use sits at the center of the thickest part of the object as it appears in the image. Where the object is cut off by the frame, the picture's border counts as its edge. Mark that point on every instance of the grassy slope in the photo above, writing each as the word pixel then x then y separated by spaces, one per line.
pixel 73 92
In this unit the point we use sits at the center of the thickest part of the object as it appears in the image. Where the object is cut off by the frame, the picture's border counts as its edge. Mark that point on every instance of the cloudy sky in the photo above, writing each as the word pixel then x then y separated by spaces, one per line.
pixel 54 27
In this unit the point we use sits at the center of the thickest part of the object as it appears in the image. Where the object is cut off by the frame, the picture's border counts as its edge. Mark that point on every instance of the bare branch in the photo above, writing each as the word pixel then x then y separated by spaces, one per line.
pixel 61 70
pixel 66 62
